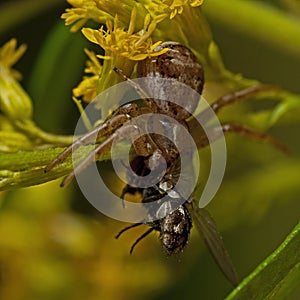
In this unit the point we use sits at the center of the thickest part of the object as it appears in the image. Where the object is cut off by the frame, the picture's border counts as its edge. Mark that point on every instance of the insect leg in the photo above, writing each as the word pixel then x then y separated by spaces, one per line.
pixel 139 90
pixel 140 238
pixel 127 228
pixel 125 131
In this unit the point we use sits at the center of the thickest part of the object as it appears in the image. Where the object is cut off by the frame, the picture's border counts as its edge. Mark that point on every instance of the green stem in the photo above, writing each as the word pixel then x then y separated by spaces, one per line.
pixel 257 20
pixel 27 168
pixel 29 127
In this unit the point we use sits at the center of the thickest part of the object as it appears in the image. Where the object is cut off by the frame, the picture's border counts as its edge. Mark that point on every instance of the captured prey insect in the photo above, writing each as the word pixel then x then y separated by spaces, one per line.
pixel 175 227
pixel 178 64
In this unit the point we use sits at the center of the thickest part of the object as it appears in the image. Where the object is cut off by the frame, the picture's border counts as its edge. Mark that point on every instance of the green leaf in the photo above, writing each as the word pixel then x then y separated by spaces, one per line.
pixel 277 276
pixel 290 106
pixel 285 112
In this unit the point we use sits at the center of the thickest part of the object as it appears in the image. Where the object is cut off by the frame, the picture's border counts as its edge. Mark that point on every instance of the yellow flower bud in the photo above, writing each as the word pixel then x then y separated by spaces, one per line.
pixel 14 101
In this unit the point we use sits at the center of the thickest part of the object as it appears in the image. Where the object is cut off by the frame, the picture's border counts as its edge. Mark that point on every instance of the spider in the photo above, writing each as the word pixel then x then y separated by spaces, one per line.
pixel 178 64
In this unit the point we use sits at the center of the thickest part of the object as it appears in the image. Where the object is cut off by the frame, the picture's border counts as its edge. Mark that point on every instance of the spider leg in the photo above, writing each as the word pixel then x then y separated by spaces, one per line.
pixel 131 109
pixel 254 134
pixel 207 114
pixel 240 96
pixel 131 131
pixel 151 104
pixel 215 133
pixel 89 137
pixel 228 99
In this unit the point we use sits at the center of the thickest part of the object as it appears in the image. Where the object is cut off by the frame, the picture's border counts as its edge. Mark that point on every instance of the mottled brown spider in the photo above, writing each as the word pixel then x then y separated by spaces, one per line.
pixel 181 65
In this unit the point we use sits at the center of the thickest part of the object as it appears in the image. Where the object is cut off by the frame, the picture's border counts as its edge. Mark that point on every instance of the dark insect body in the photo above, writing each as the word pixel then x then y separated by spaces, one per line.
pixel 174 228
pixel 180 65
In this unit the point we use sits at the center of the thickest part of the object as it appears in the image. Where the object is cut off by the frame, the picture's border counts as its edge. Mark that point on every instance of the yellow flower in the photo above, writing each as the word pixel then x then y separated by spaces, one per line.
pixel 99 11
pixel 162 9
pixel 134 28
pixel 82 11
pixel 123 47
pixel 117 42
pixel 177 6
pixel 102 10
pixel 88 86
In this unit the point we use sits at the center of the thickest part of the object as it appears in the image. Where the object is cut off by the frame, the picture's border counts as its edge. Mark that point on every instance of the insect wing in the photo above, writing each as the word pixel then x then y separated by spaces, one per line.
pixel 208 230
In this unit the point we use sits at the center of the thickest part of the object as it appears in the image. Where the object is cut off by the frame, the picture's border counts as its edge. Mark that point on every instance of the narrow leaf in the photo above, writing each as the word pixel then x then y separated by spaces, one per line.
pixel 277 276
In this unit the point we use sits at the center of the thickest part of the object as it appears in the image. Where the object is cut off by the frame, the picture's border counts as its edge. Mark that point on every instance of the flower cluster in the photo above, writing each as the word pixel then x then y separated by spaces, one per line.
pixel 102 10
pixel 88 86
pixel 130 31
pixel 118 42
pixel 170 8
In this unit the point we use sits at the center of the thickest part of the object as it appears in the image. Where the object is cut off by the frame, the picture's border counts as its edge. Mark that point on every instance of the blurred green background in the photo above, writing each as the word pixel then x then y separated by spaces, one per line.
pixel 55 245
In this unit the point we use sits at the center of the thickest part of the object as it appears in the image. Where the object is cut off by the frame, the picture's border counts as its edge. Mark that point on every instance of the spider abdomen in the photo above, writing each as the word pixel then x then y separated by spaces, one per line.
pixel 181 66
